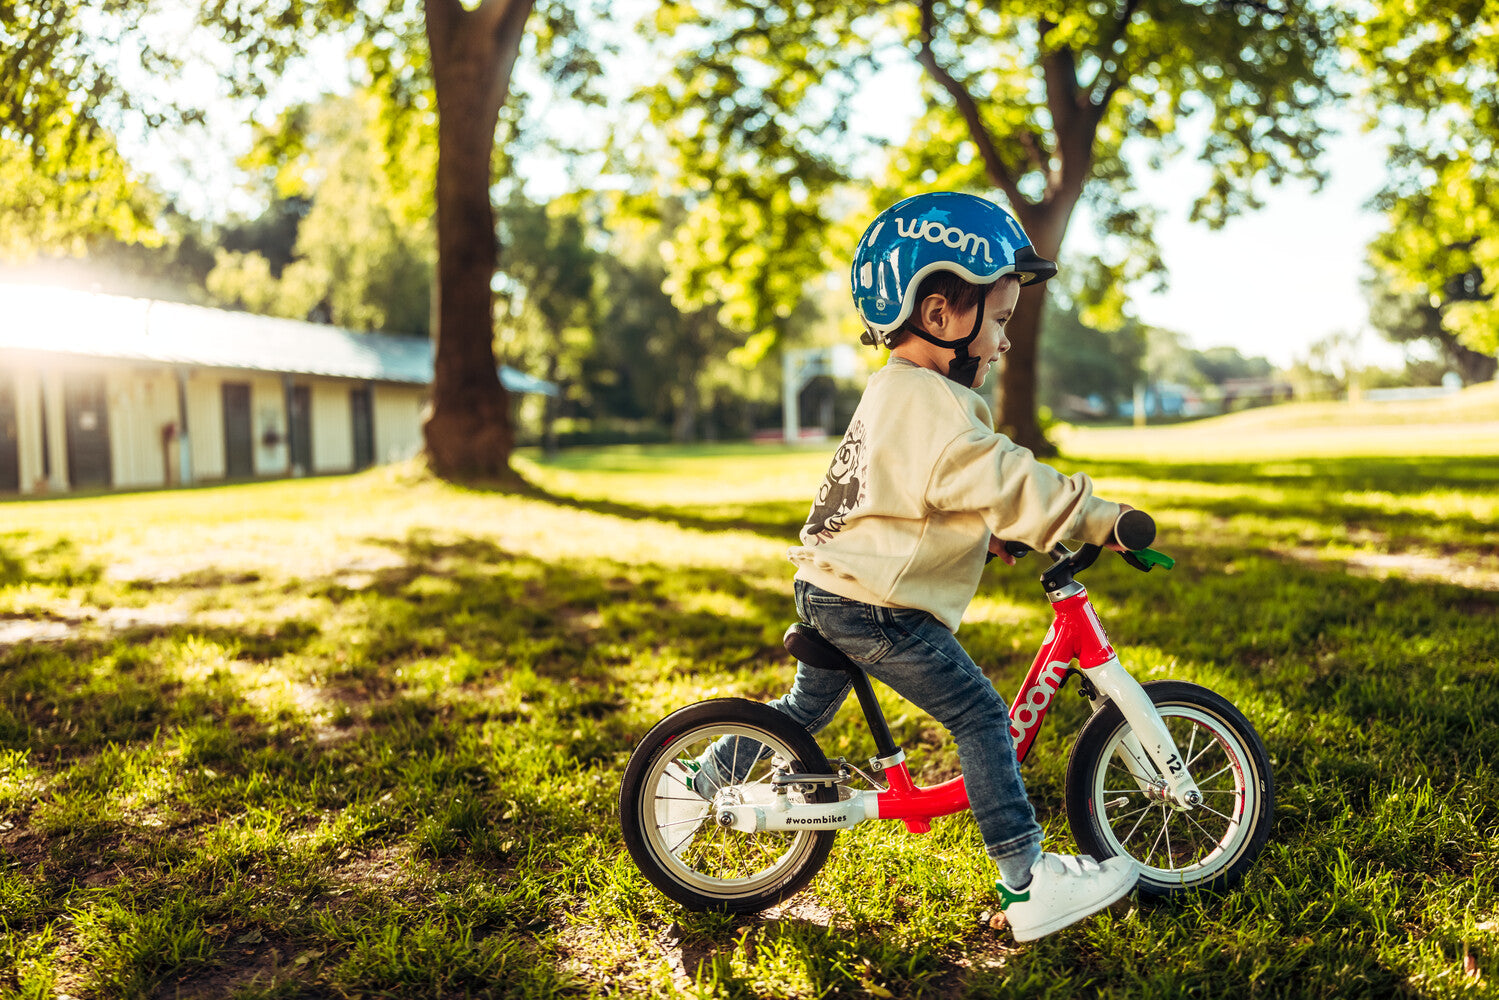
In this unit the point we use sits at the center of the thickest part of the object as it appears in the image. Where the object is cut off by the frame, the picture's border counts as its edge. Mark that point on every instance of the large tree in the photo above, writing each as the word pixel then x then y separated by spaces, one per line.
pixel 1037 101
pixel 1436 269
pixel 446 65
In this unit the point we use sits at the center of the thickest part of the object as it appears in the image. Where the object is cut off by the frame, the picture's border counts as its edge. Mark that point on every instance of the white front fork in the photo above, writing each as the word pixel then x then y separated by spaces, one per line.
pixel 1148 740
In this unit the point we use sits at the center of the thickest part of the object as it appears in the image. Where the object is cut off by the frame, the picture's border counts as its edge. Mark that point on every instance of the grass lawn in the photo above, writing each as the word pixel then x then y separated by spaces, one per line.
pixel 362 736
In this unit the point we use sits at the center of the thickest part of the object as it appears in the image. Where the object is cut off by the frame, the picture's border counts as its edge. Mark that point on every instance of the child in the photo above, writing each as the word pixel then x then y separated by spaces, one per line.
pixel 920 490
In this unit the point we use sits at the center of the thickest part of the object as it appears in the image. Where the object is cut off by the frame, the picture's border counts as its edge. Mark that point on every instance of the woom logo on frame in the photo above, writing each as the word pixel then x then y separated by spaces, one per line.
pixel 935 232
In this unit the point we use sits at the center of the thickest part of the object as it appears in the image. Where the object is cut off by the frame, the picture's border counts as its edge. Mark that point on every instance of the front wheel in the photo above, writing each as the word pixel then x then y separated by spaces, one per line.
pixel 1117 809
pixel 721 752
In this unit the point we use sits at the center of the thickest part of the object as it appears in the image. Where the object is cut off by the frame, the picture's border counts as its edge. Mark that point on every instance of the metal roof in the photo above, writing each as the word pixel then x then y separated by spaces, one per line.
pixel 89 324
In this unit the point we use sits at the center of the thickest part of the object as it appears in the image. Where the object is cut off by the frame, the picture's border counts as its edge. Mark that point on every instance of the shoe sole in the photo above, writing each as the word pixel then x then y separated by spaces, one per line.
pixel 1067 919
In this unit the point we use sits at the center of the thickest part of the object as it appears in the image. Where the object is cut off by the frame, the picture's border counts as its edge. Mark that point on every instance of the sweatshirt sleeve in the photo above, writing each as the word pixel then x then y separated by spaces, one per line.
pixel 1019 498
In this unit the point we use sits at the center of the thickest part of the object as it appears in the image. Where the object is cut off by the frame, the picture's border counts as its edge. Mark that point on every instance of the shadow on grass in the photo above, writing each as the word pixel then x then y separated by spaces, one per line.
pixel 780 520
pixel 205 796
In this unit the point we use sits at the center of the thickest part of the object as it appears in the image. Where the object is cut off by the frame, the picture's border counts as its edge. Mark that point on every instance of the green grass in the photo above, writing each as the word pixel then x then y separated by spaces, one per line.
pixel 362 736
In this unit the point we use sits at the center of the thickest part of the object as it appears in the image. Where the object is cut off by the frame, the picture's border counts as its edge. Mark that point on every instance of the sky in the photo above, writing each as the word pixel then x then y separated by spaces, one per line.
pixel 1274 281
pixel 1270 283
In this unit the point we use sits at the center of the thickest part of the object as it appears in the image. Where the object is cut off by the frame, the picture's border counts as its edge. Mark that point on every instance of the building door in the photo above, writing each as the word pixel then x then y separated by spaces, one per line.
pixel 300 432
pixel 364 427
pixel 239 439
pixel 87 431
pixel 10 439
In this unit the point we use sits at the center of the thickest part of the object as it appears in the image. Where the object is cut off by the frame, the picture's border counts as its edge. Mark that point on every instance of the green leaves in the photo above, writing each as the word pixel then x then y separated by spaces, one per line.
pixel 62 179
pixel 1037 101
pixel 363 253
pixel 1431 69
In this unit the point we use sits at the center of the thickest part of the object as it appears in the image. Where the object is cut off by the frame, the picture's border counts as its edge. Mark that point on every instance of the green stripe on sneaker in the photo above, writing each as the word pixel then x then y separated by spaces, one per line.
pixel 1006 896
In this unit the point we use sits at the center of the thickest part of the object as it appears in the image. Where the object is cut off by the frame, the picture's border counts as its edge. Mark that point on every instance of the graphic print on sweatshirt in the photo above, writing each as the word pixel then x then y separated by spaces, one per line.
pixel 842 490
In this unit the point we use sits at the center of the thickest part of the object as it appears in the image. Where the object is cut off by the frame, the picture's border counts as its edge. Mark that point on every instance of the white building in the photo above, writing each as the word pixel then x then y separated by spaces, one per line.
pixel 105 392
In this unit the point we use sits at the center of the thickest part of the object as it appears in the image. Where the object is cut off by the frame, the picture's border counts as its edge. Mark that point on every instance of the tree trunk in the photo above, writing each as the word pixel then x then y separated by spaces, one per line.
pixel 684 422
pixel 549 411
pixel 1470 364
pixel 467 429
pixel 1015 405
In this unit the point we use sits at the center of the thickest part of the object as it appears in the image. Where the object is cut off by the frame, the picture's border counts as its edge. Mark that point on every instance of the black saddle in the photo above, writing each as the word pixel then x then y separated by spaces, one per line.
pixel 812 648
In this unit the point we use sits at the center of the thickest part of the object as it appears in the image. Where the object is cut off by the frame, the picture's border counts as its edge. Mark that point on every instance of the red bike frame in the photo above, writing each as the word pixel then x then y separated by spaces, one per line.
pixel 1076 634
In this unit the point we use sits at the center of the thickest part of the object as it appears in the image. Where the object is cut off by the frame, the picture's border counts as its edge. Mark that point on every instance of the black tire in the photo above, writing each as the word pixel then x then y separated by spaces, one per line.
pixel 716 869
pixel 1209 847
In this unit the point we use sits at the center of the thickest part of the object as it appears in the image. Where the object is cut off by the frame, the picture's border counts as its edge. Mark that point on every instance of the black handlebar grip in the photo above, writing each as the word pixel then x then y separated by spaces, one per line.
pixel 1018 550
pixel 1135 530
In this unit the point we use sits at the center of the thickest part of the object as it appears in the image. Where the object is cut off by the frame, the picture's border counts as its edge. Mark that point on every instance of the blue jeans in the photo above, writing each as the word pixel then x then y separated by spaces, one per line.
pixel 921 660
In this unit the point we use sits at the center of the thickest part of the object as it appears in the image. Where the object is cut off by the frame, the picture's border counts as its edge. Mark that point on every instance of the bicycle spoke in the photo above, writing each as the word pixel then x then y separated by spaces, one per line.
pixel 685 840
pixel 1157 842
pixel 1217 841
pixel 763 844
pixel 1215 812
pixel 1166 831
pixel 1227 767
pixel 1145 808
pixel 1128 836
pixel 1201 753
pixel 1190 744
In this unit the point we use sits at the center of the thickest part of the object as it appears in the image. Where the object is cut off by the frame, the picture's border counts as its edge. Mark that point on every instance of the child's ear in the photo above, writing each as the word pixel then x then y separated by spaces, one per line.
pixel 933 311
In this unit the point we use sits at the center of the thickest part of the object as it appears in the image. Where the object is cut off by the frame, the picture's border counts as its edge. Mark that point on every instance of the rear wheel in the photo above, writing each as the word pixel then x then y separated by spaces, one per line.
pixel 669 828
pixel 1115 804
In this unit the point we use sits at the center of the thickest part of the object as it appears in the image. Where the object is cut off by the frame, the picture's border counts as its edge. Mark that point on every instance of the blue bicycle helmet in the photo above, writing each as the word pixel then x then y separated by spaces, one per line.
pixel 941 231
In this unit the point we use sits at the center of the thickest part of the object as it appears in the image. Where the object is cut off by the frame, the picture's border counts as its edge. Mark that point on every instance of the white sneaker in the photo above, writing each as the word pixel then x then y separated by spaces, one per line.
pixel 1063 890
pixel 680 811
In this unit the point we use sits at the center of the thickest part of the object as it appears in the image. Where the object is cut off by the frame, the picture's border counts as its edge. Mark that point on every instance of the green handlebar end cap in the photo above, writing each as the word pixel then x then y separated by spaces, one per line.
pixel 1153 558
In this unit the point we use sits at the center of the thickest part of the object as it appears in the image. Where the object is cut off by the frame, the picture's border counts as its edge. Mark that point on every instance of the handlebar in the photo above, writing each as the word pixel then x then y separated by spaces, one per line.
pixel 1134 532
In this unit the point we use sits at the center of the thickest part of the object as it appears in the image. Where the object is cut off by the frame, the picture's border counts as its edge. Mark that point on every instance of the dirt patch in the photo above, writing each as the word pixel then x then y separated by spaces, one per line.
pixel 389 870
pixel 246 958
pixel 20 845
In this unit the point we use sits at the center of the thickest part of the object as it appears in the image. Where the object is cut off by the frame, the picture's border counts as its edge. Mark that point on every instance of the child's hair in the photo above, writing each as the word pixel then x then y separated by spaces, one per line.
pixel 961 296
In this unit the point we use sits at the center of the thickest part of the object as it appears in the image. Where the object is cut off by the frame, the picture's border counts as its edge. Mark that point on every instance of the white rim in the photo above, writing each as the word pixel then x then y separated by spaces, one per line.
pixel 1134 825
pixel 783 851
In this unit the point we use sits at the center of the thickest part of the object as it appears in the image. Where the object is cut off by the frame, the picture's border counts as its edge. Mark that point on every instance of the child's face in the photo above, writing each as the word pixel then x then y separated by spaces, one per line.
pixel 941 321
pixel 999 306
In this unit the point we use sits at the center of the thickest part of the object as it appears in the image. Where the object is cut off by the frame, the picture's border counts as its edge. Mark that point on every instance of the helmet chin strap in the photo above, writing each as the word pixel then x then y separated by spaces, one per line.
pixel 964 367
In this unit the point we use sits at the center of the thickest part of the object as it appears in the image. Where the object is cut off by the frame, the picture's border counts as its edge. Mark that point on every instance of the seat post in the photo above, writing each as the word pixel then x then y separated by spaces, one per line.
pixel 811 647
pixel 884 743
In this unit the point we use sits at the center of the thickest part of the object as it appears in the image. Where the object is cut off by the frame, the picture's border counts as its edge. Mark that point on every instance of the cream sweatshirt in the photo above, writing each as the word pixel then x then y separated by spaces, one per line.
pixel 917 486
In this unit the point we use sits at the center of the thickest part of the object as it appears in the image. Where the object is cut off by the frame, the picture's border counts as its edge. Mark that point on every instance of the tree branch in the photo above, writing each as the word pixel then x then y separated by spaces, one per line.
pixel 1117 79
pixel 1072 117
pixel 1039 155
pixel 968 108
